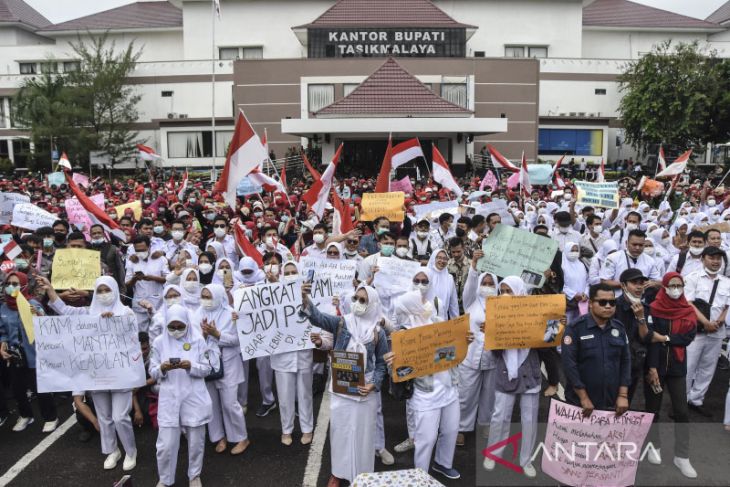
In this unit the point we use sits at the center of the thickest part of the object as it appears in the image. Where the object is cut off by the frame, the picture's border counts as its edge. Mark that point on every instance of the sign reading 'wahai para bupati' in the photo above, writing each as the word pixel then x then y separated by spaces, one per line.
pixel 406 42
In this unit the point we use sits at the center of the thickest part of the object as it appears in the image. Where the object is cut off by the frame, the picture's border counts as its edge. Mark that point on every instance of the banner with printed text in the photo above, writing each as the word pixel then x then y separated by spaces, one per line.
pixel 604 195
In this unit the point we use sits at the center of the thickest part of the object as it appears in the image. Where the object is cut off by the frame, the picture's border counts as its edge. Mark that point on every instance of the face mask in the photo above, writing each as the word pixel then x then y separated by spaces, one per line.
pixel 711 272
pixel 177 334
pixel 359 309
pixel 486 291
pixel 422 235
pixel 205 268
pixel 666 241
pixel 21 263
pixel 258 214
pixel 541 211
pixel 219 232
pixel 48 242
pixel 170 301
pixel 318 238
pixel 113 216
pixel 530 213
pixel 271 242
pixel 631 226
pixel 632 298
pixel 158 229
pixel 146 202
pixel 143 255
pixel 9 290
pixel 105 299
pixel 284 218
pixel 382 230
pixel 401 251
pixel 674 293
pixel 387 250
pixel 210 216
pixel 206 303
pixel 597 229
pixel 272 268
pixel 177 235
pixel 60 237
pixel 572 256
pixel 190 286
pixel 421 287
pixel 563 230
pixel 711 202
pixel 220 273
pixel 351 253
pixel 192 200
pixel 291 278
pixel 696 250
pixel 460 232
pixel 97 241
pixel 649 250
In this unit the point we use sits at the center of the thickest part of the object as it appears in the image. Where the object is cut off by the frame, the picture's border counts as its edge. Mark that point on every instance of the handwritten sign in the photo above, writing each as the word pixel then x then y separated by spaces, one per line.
pixel 426 211
pixel 77 214
pixel 348 372
pixel 7 203
pixel 332 278
pixel 604 195
pixel 403 185
pixel 498 206
pixel 389 205
pixel 524 321
pixel 723 227
pixel 395 275
pixel 136 207
pixel 600 450
pixel 510 251
pixel 56 179
pixel 75 268
pixel 31 217
pixel 268 319
pixel 80 179
pixel 428 349
pixel 87 353
pixel 26 316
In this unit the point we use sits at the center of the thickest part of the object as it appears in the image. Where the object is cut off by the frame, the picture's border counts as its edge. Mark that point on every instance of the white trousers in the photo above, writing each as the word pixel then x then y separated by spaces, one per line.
pixel 352 436
pixel 499 427
pixel 436 427
pixel 379 423
pixel 266 381
pixel 702 355
pixel 228 420
pixel 476 396
pixel 296 387
pixel 168 444
pixel 410 420
pixel 112 411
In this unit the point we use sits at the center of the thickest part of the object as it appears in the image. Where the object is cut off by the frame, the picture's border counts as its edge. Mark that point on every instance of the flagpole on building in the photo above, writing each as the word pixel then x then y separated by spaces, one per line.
pixel 213 13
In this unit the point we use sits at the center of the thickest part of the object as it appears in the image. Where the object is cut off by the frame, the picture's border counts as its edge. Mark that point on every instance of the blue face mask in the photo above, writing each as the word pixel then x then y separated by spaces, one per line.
pixel 10 290
pixel 387 250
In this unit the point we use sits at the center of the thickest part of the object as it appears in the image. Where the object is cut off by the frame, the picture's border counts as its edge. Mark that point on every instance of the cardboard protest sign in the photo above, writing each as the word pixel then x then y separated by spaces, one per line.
pixel 7 203
pixel 348 372
pixel 389 205
pixel 395 275
pixel 87 353
pixel 268 319
pixel 428 349
pixel 403 185
pixel 136 207
pixel 56 179
pixel 77 214
pixel 26 316
pixel 723 227
pixel 425 211
pixel 332 278
pixel 31 217
pixel 75 268
pixel 498 206
pixel 524 321
pixel 600 450
pixel 510 251
pixel 604 195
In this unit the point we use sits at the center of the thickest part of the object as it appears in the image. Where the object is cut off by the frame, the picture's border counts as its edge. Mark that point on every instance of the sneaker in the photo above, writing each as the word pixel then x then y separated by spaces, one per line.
pixel 22 423
pixel 130 461
pixel 529 471
pixel 112 459
pixel 265 409
pixel 685 467
pixel 654 456
pixel 386 458
pixel 50 426
pixel 307 438
pixel 449 473
pixel 286 440
pixel 404 446
pixel 196 482
pixel 460 439
pixel 488 464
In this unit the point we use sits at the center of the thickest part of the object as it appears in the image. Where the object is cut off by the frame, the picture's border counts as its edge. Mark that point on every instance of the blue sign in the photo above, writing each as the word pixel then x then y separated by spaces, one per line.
pixel 246 187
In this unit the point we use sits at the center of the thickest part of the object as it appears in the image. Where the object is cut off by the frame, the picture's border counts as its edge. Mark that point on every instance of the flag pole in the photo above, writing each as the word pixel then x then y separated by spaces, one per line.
pixel 212 81
pixel 656 169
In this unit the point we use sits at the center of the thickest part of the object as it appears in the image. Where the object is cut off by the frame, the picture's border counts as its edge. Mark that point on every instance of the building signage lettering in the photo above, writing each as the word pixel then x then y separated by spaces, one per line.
pixel 387 42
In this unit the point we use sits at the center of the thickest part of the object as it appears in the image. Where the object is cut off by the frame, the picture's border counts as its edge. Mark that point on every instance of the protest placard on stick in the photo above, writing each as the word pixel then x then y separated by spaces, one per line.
pixel 8 202
pixel 75 268
pixel 389 205
pixel 31 217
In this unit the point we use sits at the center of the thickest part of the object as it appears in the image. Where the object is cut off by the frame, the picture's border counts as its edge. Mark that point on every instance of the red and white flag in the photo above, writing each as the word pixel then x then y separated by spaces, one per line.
pixel 556 173
pixel 342 217
pixel 257 176
pixel 315 174
pixel 316 197
pixel 282 176
pixel 406 152
pixel 500 161
pixel 96 214
pixel 442 173
pixel 64 162
pixel 183 187
pixel 244 244
pixel 382 185
pixel 12 249
pixel 245 153
pixel 525 185
pixel 661 162
pixel 146 153
pixel 677 167
pixel 601 175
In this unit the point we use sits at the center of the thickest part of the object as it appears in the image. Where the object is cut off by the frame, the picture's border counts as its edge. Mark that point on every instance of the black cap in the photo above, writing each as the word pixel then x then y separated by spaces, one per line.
pixel 631 275
pixel 713 251
pixel 563 217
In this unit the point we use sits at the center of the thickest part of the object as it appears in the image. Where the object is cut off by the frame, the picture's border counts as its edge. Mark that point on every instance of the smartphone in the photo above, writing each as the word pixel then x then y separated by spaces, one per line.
pixel 227 278
pixel 310 275
pixel 174 360
pixel 656 388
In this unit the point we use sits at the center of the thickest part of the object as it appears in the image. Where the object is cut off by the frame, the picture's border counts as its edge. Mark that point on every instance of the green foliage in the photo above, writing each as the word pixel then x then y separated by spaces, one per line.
pixel 678 96
pixel 6 166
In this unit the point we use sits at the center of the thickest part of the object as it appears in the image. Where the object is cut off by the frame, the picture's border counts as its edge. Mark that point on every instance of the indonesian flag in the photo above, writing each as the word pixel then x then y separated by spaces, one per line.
pixel 558 180
pixel 282 177
pixel 442 174
pixel 64 162
pixel 501 161
pixel 183 187
pixel 315 174
pixel 342 217
pixel 406 152
pixel 245 153
pixel 677 167
pixel 12 249
pixel 96 214
pixel 267 182
pixel 146 153
pixel 382 185
pixel 245 245
pixel 525 185
pixel 661 161
pixel 171 183
pixel 601 176
pixel 316 197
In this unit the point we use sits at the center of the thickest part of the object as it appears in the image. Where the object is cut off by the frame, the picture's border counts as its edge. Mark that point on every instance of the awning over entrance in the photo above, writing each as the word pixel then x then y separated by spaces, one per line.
pixel 369 127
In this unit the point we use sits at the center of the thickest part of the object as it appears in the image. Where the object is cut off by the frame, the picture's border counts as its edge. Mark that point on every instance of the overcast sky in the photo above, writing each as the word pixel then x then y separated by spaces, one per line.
pixel 59 11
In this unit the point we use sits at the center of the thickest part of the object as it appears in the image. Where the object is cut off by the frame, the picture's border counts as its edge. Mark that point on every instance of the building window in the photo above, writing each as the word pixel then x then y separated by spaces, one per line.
pixel 222 139
pixel 349 87
pixel 538 51
pixel 71 66
pixel 479 54
pixel 600 91
pixel 574 142
pixel 166 94
pixel 2 114
pixel 514 51
pixel 28 68
pixel 320 96
pixel 228 53
pixel 253 52
pixel 49 68
pixel 455 93
pixel 197 143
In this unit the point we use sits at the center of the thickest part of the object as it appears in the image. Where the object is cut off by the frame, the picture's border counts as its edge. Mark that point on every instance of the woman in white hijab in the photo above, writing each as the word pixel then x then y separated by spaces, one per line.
pixel 190 284
pixel 113 406
pixel 663 248
pixel 442 290
pixel 224 273
pixel 607 248
pixel 180 360
pixel 352 423
pixel 518 375
pixel 249 272
pixel 575 280
pixel 215 319
pixel 171 294
pixel 185 260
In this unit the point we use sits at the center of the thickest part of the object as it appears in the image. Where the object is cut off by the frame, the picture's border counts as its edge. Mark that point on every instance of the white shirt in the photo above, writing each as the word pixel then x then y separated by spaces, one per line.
pixel 156 243
pixel 594 244
pixel 618 262
pixel 149 290
pixel 691 264
pixel 563 238
pixel 314 251
pixel 172 248
pixel 439 240
pixel 698 285
pixel 229 246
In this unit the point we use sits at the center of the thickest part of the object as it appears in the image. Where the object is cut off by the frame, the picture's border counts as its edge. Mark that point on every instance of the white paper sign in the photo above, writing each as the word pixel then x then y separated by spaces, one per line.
pixel 31 217
pixel 268 319
pixel 339 273
pixel 7 202
pixel 498 206
pixel 87 353
pixel 77 214
pixel 423 211
pixel 395 276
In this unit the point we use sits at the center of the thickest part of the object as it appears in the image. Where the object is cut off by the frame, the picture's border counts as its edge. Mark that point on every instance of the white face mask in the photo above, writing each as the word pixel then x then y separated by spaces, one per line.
pixel 541 211
pixel 271 242
pixel 359 309
pixel 631 226
pixel 666 241
pixel 674 293
pixel 170 301
pixel 158 229
pixel 189 263
pixel 401 251
pixel 649 250
pixel 206 303
pixel 711 272
pixel 177 334
pixel 97 241
pixel 711 202
pixel 487 291
pixel 191 286
pixel 696 250
pixel 597 229
pixel 291 277
pixel 563 229
pixel 422 235
pixel 143 255
pixel 572 256
pixel 220 273
pixel 219 232
pixel 205 268
pixel 421 287
pixel 318 238
pixel 632 298
pixel 105 299
pixel 272 268
pixel 178 235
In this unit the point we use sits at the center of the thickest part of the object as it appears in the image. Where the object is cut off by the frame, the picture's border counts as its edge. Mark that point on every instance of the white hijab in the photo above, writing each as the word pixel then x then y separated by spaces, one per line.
pixel 191 300
pixel 362 328
pixel 575 273
pixel 221 314
pixel 167 346
pixel 96 308
pixel 247 263
pixel 514 358
pixel 411 306
pixel 441 283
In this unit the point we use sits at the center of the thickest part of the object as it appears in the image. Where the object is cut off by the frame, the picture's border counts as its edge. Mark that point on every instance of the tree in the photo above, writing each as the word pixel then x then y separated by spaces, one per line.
pixel 109 103
pixel 678 96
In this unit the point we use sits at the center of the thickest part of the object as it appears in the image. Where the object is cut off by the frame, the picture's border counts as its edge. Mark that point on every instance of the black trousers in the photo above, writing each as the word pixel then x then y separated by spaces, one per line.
pixel 551 358
pixel 22 379
pixel 676 386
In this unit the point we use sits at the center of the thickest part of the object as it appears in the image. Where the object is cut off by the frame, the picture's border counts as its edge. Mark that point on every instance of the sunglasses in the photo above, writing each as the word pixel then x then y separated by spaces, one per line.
pixel 605 302
pixel 420 281
pixel 355 299
pixel 353 242
pixel 219 226
pixel 334 254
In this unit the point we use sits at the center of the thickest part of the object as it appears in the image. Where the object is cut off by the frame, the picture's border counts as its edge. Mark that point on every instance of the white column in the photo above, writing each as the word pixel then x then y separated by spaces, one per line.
pixel 458 155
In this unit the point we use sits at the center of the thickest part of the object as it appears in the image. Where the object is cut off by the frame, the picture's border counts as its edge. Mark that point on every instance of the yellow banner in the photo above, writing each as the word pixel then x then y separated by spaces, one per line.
pixel 136 207
pixel 26 316
pixel 428 349
pixel 389 205
pixel 524 321
pixel 75 268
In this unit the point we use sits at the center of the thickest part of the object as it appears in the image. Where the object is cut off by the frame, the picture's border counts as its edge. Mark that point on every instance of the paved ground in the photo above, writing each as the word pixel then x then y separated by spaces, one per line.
pixel 67 462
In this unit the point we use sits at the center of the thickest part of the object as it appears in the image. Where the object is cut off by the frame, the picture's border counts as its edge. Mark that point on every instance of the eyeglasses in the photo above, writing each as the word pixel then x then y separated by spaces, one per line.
pixel 219 226
pixel 420 281
pixel 333 254
pixel 355 299
pixel 605 302
pixel 352 242
pixel 247 272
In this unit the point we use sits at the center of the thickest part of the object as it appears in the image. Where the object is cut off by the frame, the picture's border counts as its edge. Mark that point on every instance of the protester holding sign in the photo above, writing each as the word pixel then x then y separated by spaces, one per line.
pixel 442 289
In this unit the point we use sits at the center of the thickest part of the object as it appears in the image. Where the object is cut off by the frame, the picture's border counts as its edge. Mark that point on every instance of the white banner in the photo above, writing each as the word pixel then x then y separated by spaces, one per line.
pixel 499 207
pixel 423 211
pixel 338 274
pixel 87 353
pixel 31 217
pixel 7 202
pixel 395 276
pixel 268 319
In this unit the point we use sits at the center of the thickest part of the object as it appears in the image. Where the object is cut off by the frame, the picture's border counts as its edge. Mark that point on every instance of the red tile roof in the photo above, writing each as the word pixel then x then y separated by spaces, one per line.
pixel 384 13
pixel 140 15
pixel 720 15
pixel 392 91
pixel 623 13
pixel 17 11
